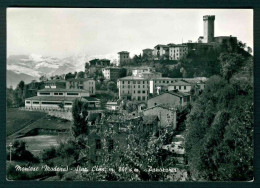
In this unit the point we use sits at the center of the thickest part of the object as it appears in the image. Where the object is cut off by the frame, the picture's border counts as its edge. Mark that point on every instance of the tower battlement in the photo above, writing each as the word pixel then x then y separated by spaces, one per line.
pixel 209 17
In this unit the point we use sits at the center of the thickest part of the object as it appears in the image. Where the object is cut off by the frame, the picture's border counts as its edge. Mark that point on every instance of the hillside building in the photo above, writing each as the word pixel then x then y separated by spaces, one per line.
pixel 123 57
pixel 177 51
pixel 87 84
pixel 169 99
pixel 166 116
pixel 112 73
pixel 161 51
pixel 52 98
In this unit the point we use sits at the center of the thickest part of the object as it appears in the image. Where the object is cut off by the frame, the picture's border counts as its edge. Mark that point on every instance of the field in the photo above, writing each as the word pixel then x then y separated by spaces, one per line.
pixel 17 119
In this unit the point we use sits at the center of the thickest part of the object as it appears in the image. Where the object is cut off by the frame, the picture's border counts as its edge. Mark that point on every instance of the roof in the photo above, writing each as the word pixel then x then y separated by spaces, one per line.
pixel 54 81
pixel 132 78
pixel 150 119
pixel 147 49
pixel 175 93
pixel 53 98
pixel 61 90
pixel 177 45
pixel 79 79
pixel 123 52
pixel 160 45
pixel 167 78
pixel 161 106
pixel 181 83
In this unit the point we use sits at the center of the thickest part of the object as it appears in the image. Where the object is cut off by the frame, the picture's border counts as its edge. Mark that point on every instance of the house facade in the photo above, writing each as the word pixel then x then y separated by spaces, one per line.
pixel 87 84
pixel 166 116
pixel 133 88
pixel 123 57
pixel 171 99
pixel 177 51
pixel 111 73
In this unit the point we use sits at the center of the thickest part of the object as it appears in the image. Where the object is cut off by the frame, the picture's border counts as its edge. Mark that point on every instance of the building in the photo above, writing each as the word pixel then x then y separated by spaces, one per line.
pixel 53 98
pixel 123 57
pixel 112 106
pixel 112 73
pixel 133 88
pixel 208 22
pixel 87 84
pixel 59 84
pixel 137 71
pixel 156 85
pixel 170 99
pixel 99 62
pixel 161 50
pixel 182 86
pixel 148 52
pixel 167 116
pixel 177 51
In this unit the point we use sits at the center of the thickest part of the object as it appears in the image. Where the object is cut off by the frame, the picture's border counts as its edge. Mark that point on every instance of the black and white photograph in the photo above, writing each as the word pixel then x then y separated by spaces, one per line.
pixel 129 95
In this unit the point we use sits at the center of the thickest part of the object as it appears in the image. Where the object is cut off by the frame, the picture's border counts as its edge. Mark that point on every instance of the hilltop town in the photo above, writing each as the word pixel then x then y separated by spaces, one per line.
pixel 139 104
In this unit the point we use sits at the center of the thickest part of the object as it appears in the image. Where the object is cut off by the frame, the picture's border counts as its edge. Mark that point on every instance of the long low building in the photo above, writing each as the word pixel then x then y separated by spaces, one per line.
pixel 48 99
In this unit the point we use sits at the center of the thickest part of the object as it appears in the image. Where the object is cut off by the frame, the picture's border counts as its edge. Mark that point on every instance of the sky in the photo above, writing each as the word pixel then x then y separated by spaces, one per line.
pixel 65 32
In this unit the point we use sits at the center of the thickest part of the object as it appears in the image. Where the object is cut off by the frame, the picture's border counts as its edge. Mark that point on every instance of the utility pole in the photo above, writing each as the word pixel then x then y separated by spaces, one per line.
pixel 10 145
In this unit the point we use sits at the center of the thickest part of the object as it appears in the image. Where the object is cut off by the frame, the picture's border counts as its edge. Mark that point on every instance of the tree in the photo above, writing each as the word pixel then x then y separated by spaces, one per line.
pixel 230 64
pixel 81 74
pixel 219 140
pixel 79 114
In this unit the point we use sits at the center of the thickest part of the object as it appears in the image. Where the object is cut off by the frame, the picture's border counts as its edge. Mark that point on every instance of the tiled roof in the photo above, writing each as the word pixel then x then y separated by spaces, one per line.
pixel 61 90
pixel 53 98
pixel 132 78
pixel 79 79
pixel 54 81
pixel 123 52
pixel 175 93
pixel 161 106
pixel 181 83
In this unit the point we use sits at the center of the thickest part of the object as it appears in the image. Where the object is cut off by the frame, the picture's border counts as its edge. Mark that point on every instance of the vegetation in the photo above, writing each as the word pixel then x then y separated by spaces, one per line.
pixel 220 125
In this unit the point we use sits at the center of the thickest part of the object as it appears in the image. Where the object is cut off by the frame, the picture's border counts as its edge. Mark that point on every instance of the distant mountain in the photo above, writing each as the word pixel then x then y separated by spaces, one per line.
pixel 13 78
pixel 30 67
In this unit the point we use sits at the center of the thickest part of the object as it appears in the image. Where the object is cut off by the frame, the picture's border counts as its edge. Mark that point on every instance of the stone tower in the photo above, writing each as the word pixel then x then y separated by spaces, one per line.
pixel 123 57
pixel 208 28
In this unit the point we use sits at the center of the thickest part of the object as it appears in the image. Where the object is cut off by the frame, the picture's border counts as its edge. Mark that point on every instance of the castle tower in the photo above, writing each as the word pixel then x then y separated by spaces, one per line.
pixel 208 28
pixel 123 57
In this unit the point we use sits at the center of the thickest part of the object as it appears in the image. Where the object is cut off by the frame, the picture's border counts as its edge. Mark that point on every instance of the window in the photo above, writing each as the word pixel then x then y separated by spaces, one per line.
pixel 143 91
pixel 134 82
pixel 43 93
pixel 138 82
pixel 134 91
pixel 50 103
pixel 179 87
pixel 98 144
pixel 185 87
pixel 138 86
pixel 174 87
pixel 35 102
pixel 143 98
pixel 28 102
pixel 143 86
pixel 123 82
pixel 128 86
pixel 68 103
pixel 139 98
pixel 72 93
pixel 139 91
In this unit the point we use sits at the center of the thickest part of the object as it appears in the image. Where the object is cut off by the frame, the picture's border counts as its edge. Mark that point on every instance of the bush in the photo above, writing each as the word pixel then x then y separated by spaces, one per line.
pixel 49 153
